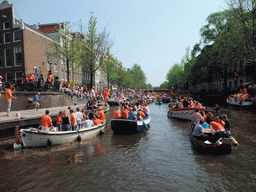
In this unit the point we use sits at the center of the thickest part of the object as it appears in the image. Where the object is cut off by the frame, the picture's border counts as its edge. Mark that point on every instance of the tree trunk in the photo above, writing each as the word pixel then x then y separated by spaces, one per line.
pixel 68 70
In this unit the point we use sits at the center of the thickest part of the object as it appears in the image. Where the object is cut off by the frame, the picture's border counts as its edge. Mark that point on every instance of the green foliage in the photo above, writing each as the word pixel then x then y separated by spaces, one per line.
pixel 138 76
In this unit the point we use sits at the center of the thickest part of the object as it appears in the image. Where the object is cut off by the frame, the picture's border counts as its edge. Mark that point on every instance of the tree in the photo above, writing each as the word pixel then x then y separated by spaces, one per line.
pixel 109 66
pixel 138 76
pixel 65 47
pixel 94 48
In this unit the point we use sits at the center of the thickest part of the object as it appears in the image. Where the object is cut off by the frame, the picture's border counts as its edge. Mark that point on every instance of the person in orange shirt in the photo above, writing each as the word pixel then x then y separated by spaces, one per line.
pixel 125 113
pixel 73 120
pixel 8 97
pixel 97 121
pixel 59 120
pixel 101 114
pixel 117 114
pixel 49 81
pixel 46 121
pixel 141 114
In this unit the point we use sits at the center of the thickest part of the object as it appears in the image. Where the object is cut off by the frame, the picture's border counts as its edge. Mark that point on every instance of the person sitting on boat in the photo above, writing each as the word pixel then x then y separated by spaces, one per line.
pixel 117 114
pixel 133 114
pixel 46 121
pixel 185 102
pixel 97 120
pixel 209 117
pixel 217 108
pixel 191 103
pixel 217 130
pixel 140 114
pixel 58 120
pixel 125 113
pixel 88 122
pixel 227 125
pixel 198 131
pixel 196 117
pixel 91 114
pixel 146 110
pixel 101 114
pixel 220 121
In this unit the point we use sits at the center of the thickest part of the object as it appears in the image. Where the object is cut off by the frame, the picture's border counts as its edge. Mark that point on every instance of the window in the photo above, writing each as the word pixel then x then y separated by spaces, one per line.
pixel 55 61
pixel 1 59
pixel 17 56
pixel 43 42
pixel 7 25
pixel 7 38
pixel 49 58
pixel 18 75
pixel 8 57
pixel 17 35
pixel 8 77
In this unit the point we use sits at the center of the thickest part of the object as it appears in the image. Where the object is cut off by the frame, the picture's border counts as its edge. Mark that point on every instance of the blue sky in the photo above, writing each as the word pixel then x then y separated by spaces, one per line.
pixel 151 33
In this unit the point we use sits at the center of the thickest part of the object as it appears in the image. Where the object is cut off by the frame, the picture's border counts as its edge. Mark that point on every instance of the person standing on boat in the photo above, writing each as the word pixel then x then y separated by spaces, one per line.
pixel 196 117
pixel 8 97
pixel 58 120
pixel 73 120
pixel 198 131
pixel 65 121
pixel 79 118
pixel 46 121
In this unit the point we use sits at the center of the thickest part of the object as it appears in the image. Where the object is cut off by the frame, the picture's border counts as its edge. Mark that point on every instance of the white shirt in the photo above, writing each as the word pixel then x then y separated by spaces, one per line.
pixel 88 123
pixel 79 116
pixel 146 110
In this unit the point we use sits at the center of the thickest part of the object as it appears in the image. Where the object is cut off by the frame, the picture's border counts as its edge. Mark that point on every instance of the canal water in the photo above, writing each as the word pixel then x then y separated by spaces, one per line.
pixel 161 159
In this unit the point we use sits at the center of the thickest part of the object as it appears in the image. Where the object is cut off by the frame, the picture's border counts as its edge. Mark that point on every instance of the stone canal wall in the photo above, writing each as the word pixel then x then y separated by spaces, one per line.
pixel 48 99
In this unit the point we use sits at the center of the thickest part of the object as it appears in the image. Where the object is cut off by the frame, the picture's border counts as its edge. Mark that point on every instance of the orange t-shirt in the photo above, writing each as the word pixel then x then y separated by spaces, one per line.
pixel 216 126
pixel 73 119
pixel 97 121
pixel 125 114
pixel 8 94
pixel 59 118
pixel 46 121
pixel 49 79
pixel 117 115
pixel 141 113
pixel 102 115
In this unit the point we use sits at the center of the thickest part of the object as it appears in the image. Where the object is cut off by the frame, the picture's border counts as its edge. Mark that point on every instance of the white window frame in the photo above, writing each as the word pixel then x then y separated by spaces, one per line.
pixel 4 25
pixel 10 40
pixel 5 59
pixel 48 61
pixel 14 36
pixel 14 53
pixel 56 63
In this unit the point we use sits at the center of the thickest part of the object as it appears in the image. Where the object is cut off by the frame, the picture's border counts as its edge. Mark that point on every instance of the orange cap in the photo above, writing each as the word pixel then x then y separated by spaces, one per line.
pixel 100 108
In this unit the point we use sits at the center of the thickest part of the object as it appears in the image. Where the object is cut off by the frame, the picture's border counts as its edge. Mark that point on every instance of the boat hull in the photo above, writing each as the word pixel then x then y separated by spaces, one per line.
pixel 127 127
pixel 36 138
pixel 185 114
pixel 225 145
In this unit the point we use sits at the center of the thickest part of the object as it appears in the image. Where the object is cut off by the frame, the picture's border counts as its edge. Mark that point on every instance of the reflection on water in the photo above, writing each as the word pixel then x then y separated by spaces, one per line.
pixel 160 159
